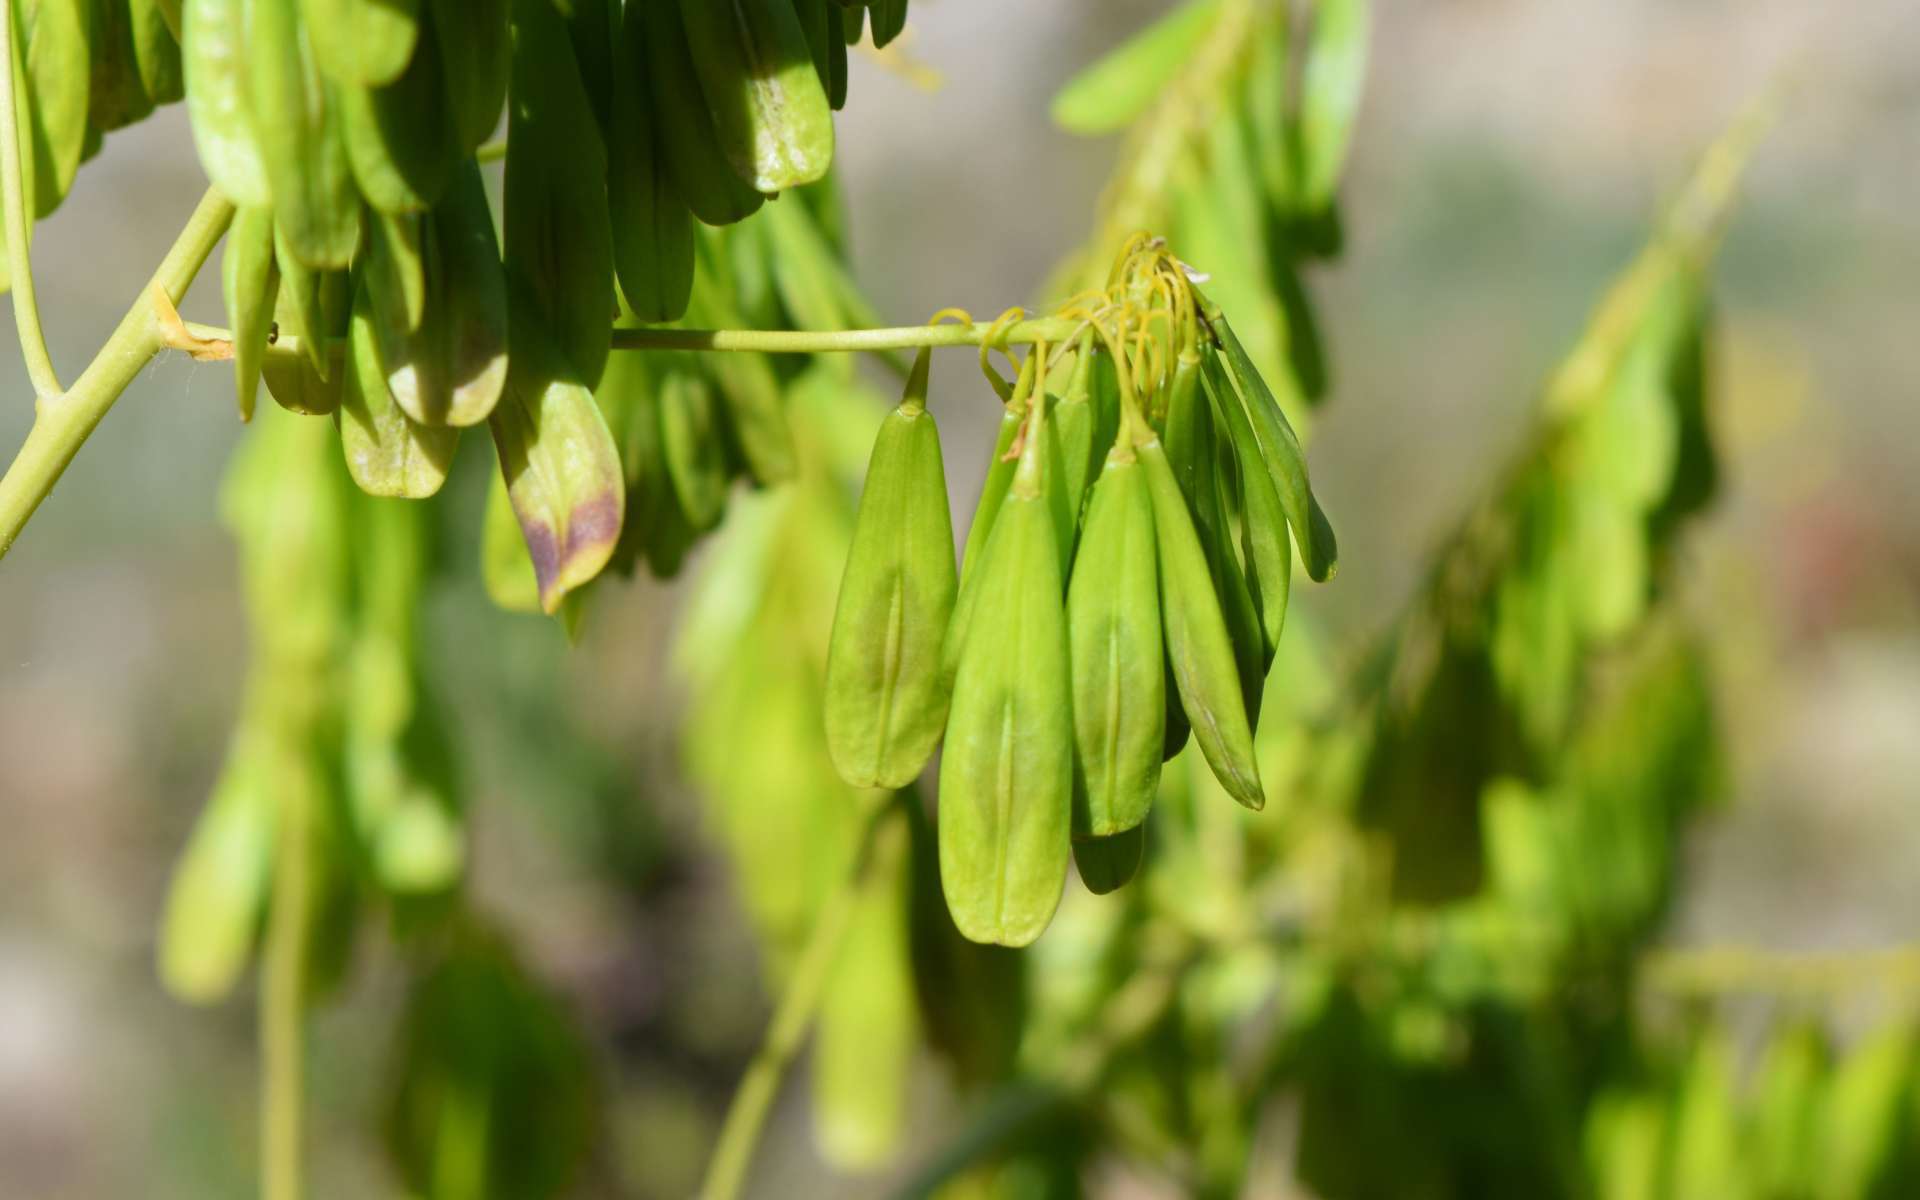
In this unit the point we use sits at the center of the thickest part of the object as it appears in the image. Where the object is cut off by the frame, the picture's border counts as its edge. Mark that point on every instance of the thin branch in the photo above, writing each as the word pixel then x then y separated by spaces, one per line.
pixel 26 309
pixel 747 1114
pixel 61 427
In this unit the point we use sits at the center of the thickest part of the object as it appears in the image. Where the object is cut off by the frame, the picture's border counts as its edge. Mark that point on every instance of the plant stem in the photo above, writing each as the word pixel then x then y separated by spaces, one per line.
pixel 747 1114
pixel 62 422
pixel 26 309
pixel 283 998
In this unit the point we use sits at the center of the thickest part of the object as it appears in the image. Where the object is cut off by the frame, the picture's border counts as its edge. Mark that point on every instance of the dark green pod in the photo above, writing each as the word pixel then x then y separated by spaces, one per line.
pixel 476 56
pixel 889 18
pixel 559 235
pixel 886 695
pixel 387 454
pixel 1107 864
pixel 769 106
pixel 251 284
pixel 361 43
pixel 117 97
pixel 400 138
pixel 652 226
pixel 1118 664
pixel 701 173
pixel 156 48
pixel 297 114
pixel 1198 645
pixel 692 444
pixel 1006 772
pixel 1263 523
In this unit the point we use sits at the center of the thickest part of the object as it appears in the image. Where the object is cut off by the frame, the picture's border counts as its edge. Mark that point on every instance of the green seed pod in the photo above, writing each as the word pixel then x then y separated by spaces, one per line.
pixel 116 96
pixel 755 405
pixel 837 43
pixel 1073 430
pixel 700 171
pixel 886 696
pixel 769 108
pixel 394 267
pixel 219 885
pixel 558 457
pixel 251 284
pixel 53 39
pixel 1006 774
pixel 1119 671
pixel 559 236
pixel 1280 450
pixel 593 29
pixel 476 56
pixel 1268 553
pixel 1265 108
pixel 1198 646
pixel 387 454
pixel 308 306
pixel 1179 729
pixel 1237 606
pixel 652 226
pixel 505 567
pixel 214 62
pixel 314 205
pixel 692 444
pixel 1106 864
pixel 361 43
pixel 1330 84
pixel 1107 96
pixel 450 367
pixel 1000 469
pixel 400 139
pixel 889 18
pixel 156 48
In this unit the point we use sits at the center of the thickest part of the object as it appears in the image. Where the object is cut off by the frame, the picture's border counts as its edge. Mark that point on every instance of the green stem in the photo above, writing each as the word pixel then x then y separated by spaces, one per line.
pixel 283 999
pixel 747 1114
pixel 26 309
pixel 62 422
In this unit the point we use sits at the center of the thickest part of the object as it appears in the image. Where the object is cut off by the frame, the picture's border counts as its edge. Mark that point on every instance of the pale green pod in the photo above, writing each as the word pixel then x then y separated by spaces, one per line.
pixel 362 43
pixel 1107 864
pixel 750 391
pixel 1074 421
pixel 869 1026
pixel 400 138
pixel 559 236
pixel 1006 773
pixel 1266 111
pixel 1268 552
pixel 214 62
pixel 1118 665
pixel 769 108
pixel 692 444
pixel 251 283
pixel 1199 648
pixel 219 885
pixel 1106 96
pixel 156 48
pixel 53 40
pixel 1331 82
pixel 387 454
pixel 450 367
pixel 886 695
pixel 305 306
pixel 561 466
pixel 297 116
pixel 395 268
pixel 993 490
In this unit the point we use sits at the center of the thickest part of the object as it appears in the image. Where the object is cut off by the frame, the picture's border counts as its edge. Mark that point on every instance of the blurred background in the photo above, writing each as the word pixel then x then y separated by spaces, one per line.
pixel 1510 156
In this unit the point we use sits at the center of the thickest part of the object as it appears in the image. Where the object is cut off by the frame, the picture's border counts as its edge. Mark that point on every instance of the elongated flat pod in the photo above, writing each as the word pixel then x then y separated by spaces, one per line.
pixel 886 695
pixel 117 97
pixel 1107 864
pixel 450 367
pixel 558 458
pixel 993 490
pixel 769 107
pixel 701 173
pixel 362 43
pixel 1198 646
pixel 1263 522
pixel 387 453
pixel 251 283
pixel 1006 773
pixel 559 234
pixel 313 306
pixel 692 443
pixel 1118 665
pixel 297 116
pixel 53 39
pixel 652 226
pixel 1330 85
pixel 400 137
pixel 476 56
pixel 1280 450
pixel 219 884
pixel 214 63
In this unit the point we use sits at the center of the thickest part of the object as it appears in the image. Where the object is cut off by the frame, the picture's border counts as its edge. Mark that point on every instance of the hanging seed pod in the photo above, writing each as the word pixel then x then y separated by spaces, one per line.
pixel 387 454
pixel 1006 774
pixel 700 171
pixel 1073 426
pixel 395 267
pixel 219 885
pixel 886 696
pixel 156 48
pixel 116 96
pixel 692 444
pixel 312 307
pixel 213 37
pixel 1118 665
pixel 1330 84
pixel 1263 524
pixel 1198 645
pixel 558 457
pixel 1107 864
pixel 449 366
pixel 1107 96
pixel 251 284
pixel 559 235
pixel 593 29
pixel 652 226
pixel 993 492
pixel 889 18
pixel 769 108
pixel 361 43
pixel 53 40
pixel 400 138
pixel 476 57
pixel 749 390
pixel 315 208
